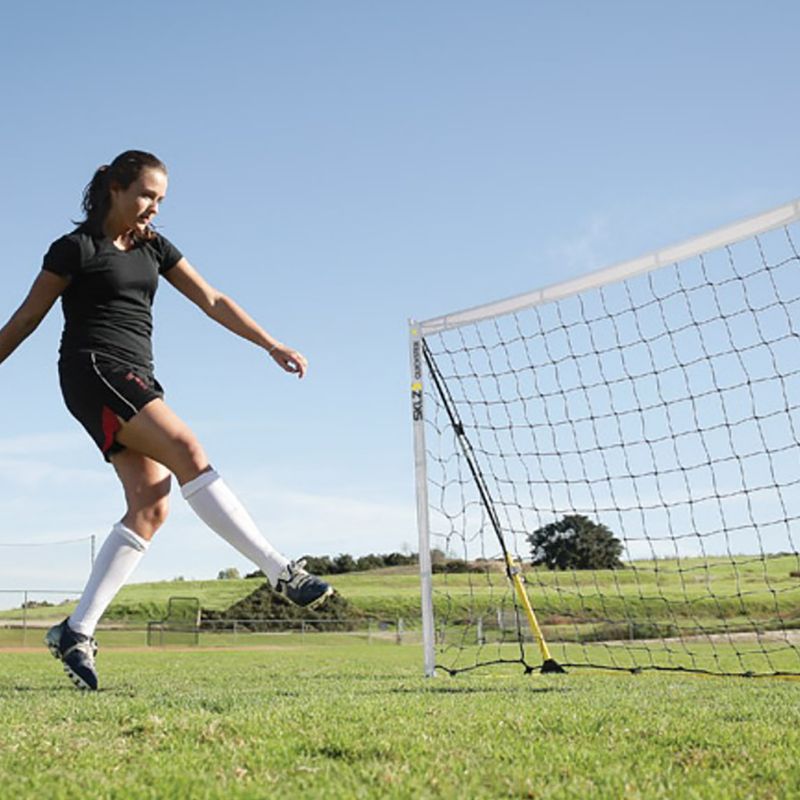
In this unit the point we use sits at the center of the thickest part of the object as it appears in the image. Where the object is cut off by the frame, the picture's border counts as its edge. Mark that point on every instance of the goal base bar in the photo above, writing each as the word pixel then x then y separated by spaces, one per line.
pixel 549 667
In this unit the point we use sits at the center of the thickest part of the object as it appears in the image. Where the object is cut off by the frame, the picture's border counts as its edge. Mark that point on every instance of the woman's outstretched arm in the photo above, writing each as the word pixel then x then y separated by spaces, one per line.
pixel 227 313
pixel 45 291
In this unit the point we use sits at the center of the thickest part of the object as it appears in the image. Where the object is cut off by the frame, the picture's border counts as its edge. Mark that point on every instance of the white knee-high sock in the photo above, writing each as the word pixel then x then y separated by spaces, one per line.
pixel 121 552
pixel 215 504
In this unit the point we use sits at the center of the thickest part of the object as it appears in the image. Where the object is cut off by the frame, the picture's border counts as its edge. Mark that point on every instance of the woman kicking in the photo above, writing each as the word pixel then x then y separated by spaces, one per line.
pixel 106 272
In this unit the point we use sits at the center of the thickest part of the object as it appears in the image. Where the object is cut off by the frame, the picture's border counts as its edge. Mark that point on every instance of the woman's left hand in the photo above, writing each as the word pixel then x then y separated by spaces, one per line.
pixel 290 360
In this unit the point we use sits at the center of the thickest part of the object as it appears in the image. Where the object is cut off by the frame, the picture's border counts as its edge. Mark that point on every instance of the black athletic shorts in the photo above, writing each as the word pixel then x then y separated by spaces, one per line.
pixel 99 391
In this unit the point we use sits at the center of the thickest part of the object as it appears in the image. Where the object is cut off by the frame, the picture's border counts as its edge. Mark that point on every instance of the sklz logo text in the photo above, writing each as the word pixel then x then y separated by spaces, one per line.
pixel 416 400
pixel 416 387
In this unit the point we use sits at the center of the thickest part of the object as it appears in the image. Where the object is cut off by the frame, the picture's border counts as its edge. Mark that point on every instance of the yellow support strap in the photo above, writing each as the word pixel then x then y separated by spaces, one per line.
pixel 549 665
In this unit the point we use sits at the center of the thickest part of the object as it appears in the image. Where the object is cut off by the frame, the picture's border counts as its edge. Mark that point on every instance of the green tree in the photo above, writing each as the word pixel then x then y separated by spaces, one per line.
pixel 575 542
pixel 228 574
pixel 371 561
pixel 400 559
pixel 319 565
pixel 344 562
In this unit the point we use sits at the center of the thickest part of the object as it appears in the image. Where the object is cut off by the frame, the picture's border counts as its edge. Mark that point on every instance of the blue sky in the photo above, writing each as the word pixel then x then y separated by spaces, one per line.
pixel 338 167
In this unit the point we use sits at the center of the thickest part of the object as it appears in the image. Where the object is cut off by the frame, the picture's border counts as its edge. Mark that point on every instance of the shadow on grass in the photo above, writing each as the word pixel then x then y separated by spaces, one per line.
pixel 475 690
pixel 9 691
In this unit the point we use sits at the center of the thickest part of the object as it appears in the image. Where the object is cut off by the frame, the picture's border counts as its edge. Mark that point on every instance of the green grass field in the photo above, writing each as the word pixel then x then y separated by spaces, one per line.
pixel 343 719
pixel 662 609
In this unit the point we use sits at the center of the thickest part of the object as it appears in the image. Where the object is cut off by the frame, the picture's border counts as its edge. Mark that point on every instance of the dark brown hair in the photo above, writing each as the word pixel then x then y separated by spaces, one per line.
pixel 122 171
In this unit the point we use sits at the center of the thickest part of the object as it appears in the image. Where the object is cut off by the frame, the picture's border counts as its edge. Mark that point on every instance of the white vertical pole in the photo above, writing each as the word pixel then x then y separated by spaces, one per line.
pixel 421 473
pixel 24 618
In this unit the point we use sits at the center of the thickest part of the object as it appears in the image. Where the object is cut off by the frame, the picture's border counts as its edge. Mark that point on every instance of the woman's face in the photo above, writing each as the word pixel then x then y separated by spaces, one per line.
pixel 136 206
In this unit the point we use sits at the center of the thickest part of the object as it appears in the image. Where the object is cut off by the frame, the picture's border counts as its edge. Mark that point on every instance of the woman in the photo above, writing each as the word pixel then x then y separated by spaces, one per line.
pixel 106 272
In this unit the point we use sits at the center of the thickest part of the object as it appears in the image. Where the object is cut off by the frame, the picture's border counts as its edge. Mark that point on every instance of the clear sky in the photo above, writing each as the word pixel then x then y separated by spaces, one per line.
pixel 337 167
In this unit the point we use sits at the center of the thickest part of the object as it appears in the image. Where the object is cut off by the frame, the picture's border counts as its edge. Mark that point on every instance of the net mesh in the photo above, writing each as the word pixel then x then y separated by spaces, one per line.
pixel 665 407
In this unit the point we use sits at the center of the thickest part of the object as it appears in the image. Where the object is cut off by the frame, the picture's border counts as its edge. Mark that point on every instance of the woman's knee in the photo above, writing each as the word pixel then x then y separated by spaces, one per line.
pixel 158 512
pixel 150 517
pixel 192 457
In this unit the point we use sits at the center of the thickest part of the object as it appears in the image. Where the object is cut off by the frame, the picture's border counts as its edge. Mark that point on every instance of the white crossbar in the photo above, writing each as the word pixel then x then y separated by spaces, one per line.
pixel 721 237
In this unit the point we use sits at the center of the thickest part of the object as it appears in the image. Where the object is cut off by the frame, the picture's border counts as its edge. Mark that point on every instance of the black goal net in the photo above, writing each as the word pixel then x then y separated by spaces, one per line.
pixel 629 444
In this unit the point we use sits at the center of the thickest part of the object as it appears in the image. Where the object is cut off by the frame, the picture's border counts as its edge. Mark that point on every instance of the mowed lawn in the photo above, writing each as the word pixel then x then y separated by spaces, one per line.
pixel 344 719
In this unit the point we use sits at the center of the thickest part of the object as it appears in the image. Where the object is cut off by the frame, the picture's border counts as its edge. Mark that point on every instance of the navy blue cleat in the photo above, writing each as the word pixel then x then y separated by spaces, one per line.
pixel 77 652
pixel 302 588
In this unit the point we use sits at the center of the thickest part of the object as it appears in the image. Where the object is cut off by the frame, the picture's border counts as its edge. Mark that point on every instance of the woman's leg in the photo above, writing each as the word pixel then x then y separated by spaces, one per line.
pixel 157 431
pixel 160 434
pixel 146 484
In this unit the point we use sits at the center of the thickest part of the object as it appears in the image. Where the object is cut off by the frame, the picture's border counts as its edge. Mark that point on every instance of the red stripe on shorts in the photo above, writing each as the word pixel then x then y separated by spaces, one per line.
pixel 110 427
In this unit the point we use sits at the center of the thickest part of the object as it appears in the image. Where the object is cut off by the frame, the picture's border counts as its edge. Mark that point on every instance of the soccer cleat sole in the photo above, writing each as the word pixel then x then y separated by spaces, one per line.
pixel 79 682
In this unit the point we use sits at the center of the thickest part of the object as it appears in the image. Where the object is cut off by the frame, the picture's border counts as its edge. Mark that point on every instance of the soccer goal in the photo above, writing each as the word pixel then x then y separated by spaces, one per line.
pixel 608 469
pixel 181 626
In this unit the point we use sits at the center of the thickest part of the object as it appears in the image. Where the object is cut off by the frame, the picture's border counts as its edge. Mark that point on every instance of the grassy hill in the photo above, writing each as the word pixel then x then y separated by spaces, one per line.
pixel 678 593
pixel 141 602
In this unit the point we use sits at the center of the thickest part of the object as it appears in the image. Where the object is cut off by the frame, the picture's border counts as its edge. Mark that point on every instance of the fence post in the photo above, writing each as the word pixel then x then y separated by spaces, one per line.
pixel 24 618
pixel 399 630
pixel 479 627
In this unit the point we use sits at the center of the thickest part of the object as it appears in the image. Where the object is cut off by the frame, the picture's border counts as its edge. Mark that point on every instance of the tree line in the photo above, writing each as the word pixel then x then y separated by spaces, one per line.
pixel 344 562
pixel 572 542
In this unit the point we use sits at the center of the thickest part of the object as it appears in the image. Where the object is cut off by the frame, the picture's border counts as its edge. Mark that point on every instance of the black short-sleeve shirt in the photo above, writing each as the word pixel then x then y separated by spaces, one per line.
pixel 108 303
